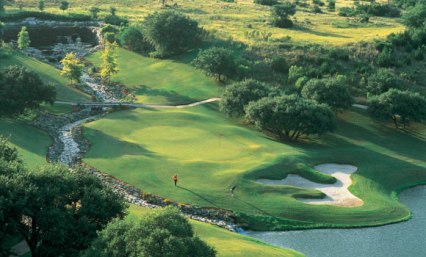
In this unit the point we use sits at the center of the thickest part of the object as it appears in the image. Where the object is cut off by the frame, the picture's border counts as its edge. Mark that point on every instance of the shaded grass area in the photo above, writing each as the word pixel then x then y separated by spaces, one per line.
pixel 161 81
pixel 49 74
pixel 226 243
pixel 31 143
pixel 211 153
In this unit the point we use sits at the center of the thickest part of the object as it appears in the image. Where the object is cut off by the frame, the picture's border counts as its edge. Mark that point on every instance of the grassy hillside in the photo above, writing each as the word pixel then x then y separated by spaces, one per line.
pixel 49 74
pixel 32 143
pixel 210 153
pixel 233 20
pixel 161 81
pixel 226 243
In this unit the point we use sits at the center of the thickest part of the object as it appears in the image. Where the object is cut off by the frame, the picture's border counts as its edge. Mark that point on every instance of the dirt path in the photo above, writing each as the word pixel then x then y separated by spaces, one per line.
pixel 136 105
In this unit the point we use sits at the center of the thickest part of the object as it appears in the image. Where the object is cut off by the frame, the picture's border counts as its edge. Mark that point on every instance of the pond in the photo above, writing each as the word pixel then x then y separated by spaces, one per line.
pixel 395 240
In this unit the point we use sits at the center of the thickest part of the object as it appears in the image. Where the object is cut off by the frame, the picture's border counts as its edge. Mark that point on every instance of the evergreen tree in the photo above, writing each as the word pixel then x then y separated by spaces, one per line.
pixel 109 61
pixel 72 67
pixel 23 39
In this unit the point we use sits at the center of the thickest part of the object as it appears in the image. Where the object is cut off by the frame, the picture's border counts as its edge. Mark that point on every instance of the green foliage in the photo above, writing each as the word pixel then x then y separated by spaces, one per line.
pixel 21 89
pixel 331 5
pixel 279 64
pixel 113 10
pixel 23 39
pixel 94 11
pixel 280 14
pixel 109 64
pixel 132 38
pixel 162 233
pixel 115 20
pixel 316 9
pixel 295 72
pixel 41 5
pixel 72 68
pixel 331 91
pixel 64 5
pixel 416 15
pixel 290 116
pixel 16 16
pixel 381 81
pixel 216 61
pixel 266 2
pixel 347 12
pixel 386 58
pixel 236 96
pixel 10 163
pixel 67 213
pixel 171 32
pixel 400 106
pixel 109 37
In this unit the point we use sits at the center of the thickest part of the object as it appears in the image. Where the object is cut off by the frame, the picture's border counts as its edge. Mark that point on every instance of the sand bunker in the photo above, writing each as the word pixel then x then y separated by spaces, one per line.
pixel 337 193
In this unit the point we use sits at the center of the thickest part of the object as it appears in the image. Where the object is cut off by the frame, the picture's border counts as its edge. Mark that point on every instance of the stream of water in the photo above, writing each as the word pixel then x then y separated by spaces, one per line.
pixel 406 239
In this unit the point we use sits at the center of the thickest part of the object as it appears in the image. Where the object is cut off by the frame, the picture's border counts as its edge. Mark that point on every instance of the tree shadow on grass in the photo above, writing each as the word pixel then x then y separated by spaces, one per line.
pixel 170 96
pixel 317 33
pixel 112 147
pixel 200 196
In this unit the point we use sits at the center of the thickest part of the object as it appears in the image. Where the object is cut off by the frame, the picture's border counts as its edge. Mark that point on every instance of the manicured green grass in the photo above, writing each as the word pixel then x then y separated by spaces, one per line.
pixel 210 154
pixel 161 81
pixel 32 143
pixel 49 74
pixel 226 243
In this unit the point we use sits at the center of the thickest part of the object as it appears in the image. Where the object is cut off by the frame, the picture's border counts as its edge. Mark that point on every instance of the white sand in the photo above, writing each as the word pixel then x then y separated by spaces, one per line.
pixel 337 193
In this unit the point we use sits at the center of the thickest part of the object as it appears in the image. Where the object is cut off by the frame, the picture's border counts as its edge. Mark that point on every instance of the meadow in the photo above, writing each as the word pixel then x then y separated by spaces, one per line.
pixel 232 21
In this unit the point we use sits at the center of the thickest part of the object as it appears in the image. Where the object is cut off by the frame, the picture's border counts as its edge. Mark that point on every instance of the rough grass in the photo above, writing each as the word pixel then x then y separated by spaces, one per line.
pixel 233 20
pixel 49 74
pixel 226 243
pixel 161 81
pixel 210 154
pixel 32 143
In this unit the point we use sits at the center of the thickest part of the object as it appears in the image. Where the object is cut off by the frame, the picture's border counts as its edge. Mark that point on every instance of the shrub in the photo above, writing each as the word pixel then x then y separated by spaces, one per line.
pixel 115 20
pixel 266 2
pixel 171 32
pixel 133 39
pixel 347 12
pixel 280 15
pixel 279 64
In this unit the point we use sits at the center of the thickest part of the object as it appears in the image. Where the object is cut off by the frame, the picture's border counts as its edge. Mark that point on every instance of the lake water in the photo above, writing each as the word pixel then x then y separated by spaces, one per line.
pixel 406 239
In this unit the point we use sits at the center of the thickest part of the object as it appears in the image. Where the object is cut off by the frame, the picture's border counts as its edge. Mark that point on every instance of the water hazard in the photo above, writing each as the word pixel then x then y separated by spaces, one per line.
pixel 395 240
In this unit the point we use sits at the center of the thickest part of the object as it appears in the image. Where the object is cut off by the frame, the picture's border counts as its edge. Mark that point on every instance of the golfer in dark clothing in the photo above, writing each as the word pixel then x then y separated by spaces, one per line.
pixel 175 179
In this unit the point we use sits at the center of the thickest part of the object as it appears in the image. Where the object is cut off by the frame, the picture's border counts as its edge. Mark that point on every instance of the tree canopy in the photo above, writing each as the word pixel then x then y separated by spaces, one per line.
pixel 23 39
pixel 171 32
pixel 216 61
pixel 57 211
pixel 400 106
pixel 237 95
pixel 109 64
pixel 72 68
pixel 331 91
pixel 280 14
pixel 164 233
pixel 20 89
pixel 290 116
pixel 133 39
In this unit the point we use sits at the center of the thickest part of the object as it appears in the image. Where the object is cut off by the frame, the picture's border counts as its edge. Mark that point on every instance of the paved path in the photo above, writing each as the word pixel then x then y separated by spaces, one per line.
pixel 136 105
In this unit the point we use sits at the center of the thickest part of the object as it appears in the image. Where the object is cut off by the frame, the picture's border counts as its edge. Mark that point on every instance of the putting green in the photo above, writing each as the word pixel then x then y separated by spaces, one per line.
pixel 226 243
pixel 161 81
pixel 210 153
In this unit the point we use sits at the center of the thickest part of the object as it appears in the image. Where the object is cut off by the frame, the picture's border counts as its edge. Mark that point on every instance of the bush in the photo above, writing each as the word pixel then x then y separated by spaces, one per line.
pixel 347 12
pixel 280 15
pixel 316 9
pixel 381 81
pixel 279 64
pixel 318 2
pixel 171 32
pixel 216 61
pixel 115 20
pixel 266 2
pixel 17 16
pixel 133 39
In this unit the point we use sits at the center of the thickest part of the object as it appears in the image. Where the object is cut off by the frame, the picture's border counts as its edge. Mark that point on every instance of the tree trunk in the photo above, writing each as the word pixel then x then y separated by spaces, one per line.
pixel 395 121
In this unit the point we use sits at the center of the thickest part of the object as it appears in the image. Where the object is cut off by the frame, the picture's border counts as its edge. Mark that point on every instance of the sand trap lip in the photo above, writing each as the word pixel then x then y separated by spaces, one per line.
pixel 337 193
